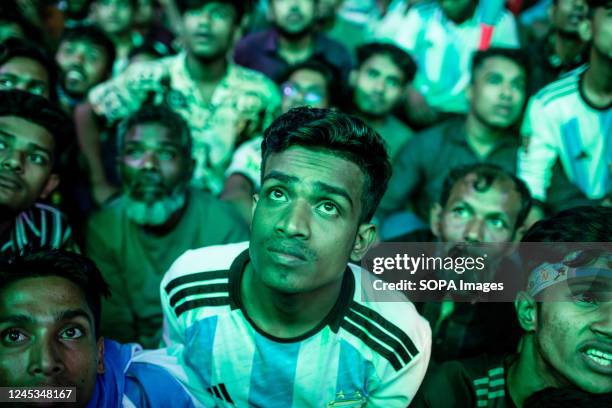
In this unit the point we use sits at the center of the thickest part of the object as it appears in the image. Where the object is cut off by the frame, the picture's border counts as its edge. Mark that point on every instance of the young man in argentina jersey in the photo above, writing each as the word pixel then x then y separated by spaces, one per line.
pixel 570 121
pixel 280 321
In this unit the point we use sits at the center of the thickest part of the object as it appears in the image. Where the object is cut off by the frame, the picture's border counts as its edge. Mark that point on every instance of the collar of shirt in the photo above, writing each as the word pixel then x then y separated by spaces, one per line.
pixel 272 39
pixel 457 134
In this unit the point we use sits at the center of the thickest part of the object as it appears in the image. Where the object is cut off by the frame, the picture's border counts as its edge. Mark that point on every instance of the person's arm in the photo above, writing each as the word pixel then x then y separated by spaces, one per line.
pixel 88 133
pixel 539 152
pixel 506 32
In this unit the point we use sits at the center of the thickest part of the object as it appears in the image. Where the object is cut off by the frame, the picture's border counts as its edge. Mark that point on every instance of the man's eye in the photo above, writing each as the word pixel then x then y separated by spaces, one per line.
pixel 72 333
pixel 6 83
pixel 585 298
pixel 461 212
pixel 372 73
pixel 329 208
pixel 13 337
pixel 3 145
pixel 38 159
pixel 133 152
pixel 277 195
pixel 497 223
pixel 38 89
pixel 167 154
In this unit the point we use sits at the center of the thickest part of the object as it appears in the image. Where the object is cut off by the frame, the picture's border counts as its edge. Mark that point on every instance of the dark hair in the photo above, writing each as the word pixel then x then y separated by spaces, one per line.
pixel 567 230
pixel 567 398
pixel 340 134
pixel 327 71
pixel 9 12
pixel 157 49
pixel 241 6
pixel 78 269
pixel 41 111
pixel 515 55
pixel 94 35
pixel 595 4
pixel 16 47
pixel 149 113
pixel 486 175
pixel 400 57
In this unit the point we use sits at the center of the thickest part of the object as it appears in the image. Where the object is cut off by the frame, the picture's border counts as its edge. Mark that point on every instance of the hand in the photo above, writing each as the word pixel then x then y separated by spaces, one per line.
pixel 102 192
pixel 417 109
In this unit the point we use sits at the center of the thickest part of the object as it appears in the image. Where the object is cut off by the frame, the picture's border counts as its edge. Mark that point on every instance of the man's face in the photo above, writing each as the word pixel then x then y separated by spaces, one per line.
pixel 155 167
pixel 378 86
pixel 113 16
pixel 457 10
pixel 573 335
pixel 82 65
pixel 601 31
pixel 25 74
pixel 47 337
pixel 472 216
pixel 210 30
pixel 306 220
pixel 26 161
pixel 305 88
pixel 293 18
pixel 497 93
pixel 566 15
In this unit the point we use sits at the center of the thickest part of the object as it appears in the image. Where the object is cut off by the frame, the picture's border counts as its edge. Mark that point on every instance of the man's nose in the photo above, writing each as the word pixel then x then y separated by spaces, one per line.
pixel 45 359
pixel 295 221
pixel 13 160
pixel 473 231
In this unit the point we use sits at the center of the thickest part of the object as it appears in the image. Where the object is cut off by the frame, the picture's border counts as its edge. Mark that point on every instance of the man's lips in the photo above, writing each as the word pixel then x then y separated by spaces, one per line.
pixel 598 356
pixel 291 253
pixel 11 183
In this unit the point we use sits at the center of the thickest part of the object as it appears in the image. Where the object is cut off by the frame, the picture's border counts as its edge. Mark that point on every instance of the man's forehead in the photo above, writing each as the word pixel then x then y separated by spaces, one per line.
pixel 14 126
pixel 501 65
pixel 500 193
pixel 152 132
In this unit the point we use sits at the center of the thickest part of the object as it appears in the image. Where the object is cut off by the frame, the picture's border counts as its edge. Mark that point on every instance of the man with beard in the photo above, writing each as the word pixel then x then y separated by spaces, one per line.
pixel 293 39
pixel 565 311
pixel 33 133
pixel 135 238
pixel 479 204
pixel 50 304
pixel 281 321
pixel 215 97
pixel 570 121
pixel 562 49
pixel 497 95
pixel 85 56
pixel 377 84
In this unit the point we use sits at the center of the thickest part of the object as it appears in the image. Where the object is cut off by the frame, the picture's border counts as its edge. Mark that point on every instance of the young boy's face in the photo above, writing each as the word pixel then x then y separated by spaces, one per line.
pixel 26 162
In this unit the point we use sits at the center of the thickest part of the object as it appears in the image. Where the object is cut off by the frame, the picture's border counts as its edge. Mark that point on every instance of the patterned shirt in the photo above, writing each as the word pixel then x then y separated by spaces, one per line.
pixel 42 226
pixel 363 353
pixel 561 125
pixel 241 95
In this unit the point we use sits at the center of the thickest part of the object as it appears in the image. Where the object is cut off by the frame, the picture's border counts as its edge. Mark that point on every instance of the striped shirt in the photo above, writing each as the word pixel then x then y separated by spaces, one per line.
pixel 41 226
pixel 362 353
pixel 561 125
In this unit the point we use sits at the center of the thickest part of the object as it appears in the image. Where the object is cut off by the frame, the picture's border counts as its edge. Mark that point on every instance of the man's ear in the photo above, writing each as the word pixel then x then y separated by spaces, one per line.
pixel 255 200
pixel 366 233
pixel 526 312
pixel 100 348
pixel 585 30
pixel 435 214
pixel 50 185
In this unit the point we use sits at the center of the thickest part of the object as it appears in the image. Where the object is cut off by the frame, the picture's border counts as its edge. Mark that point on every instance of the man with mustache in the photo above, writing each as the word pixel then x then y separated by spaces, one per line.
pixel 281 320
pixel 487 134
pixel 50 305
pixel 33 133
pixel 135 238
pixel 85 56
pixel 293 39
pixel 565 311
pixel 377 84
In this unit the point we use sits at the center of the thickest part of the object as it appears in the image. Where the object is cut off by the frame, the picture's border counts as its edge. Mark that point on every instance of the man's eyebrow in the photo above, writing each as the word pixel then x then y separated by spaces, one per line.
pixel 33 146
pixel 6 134
pixel 17 319
pixel 498 214
pixel 282 177
pixel 72 314
pixel 329 189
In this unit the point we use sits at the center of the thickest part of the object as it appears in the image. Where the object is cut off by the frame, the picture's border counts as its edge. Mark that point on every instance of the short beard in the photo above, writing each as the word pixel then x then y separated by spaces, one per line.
pixel 297 35
pixel 568 35
pixel 153 214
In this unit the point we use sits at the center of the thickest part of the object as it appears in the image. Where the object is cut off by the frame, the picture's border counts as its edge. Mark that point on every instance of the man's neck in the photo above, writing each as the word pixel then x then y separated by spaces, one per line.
pixel 171 223
pixel 206 72
pixel 296 50
pixel 286 315
pixel 597 84
pixel 527 374
pixel 567 46
pixel 480 137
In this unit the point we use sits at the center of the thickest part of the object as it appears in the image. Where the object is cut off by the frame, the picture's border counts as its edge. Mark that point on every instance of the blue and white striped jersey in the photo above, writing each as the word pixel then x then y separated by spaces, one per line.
pixel 362 353
pixel 561 124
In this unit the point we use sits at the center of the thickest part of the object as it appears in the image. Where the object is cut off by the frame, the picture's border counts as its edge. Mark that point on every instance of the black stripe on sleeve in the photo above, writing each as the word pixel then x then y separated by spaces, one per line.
pixel 217 393
pixel 380 335
pixel 373 344
pixel 200 276
pixel 225 393
pixel 197 290
pixel 387 325
pixel 194 304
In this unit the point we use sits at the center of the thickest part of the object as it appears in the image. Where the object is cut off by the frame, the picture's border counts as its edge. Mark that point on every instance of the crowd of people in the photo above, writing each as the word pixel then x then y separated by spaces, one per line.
pixel 189 189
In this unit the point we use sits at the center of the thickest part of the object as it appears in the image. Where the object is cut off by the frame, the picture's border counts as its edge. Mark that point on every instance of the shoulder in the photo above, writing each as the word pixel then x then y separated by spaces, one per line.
pixel 253 42
pixel 566 87
pixel 249 78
